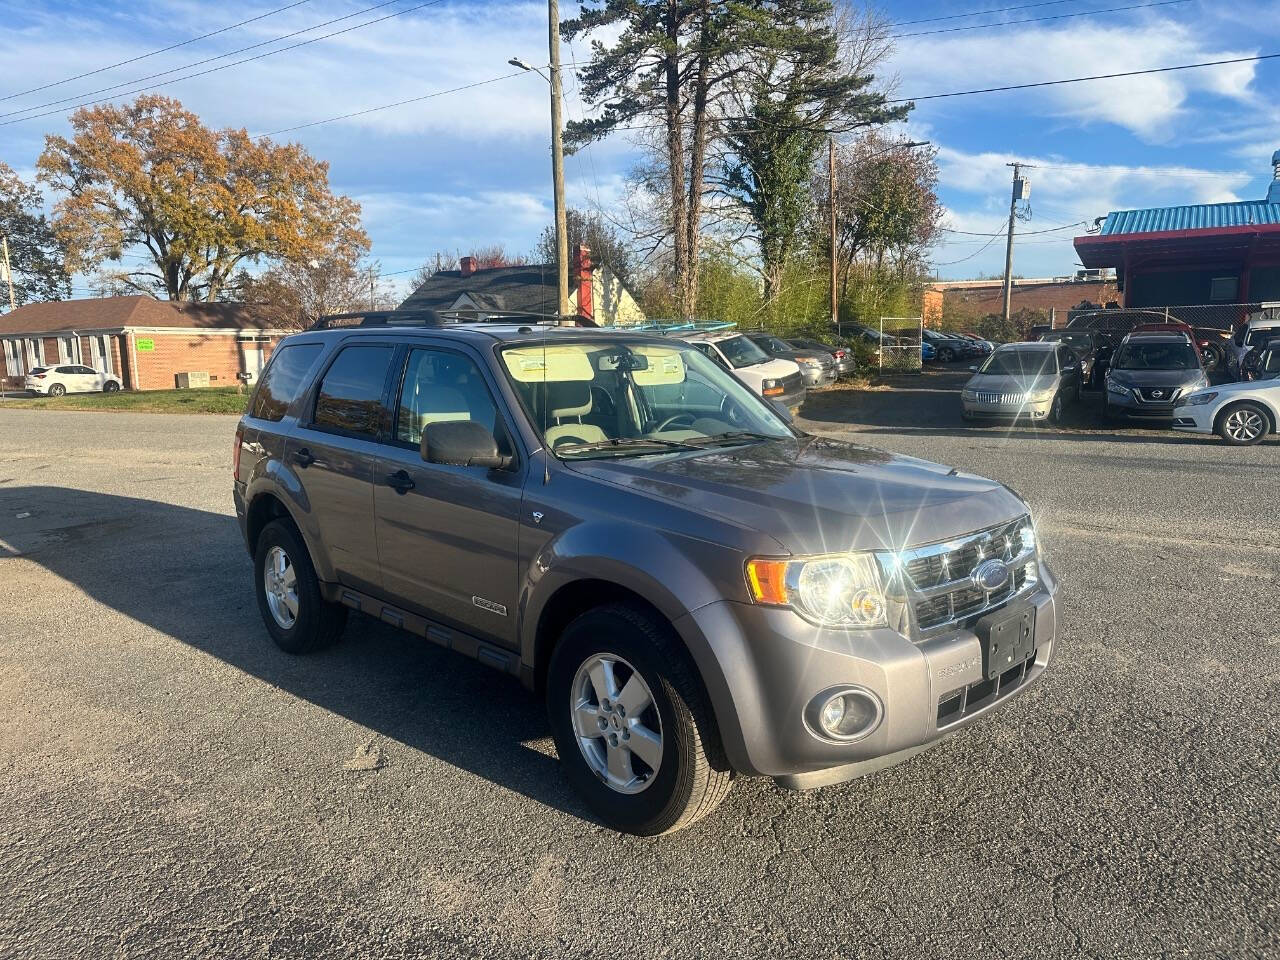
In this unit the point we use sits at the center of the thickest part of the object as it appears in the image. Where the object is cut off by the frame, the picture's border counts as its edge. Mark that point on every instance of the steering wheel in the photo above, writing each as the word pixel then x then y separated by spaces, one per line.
pixel 673 419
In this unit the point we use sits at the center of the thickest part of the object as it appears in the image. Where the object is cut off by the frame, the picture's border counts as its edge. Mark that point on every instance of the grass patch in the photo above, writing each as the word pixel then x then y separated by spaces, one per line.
pixel 201 400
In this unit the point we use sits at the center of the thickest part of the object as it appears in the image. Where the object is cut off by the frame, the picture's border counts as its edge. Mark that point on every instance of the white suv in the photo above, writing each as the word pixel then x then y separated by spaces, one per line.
pixel 70 378
pixel 1241 413
pixel 1259 330
pixel 774 379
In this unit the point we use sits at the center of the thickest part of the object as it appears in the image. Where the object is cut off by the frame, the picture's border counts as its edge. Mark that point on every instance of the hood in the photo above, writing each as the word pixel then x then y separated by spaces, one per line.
pixel 816 495
pixel 1002 383
pixel 774 369
pixel 1154 378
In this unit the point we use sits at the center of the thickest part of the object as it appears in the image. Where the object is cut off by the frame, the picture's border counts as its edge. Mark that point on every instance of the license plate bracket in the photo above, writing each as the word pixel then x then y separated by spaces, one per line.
pixel 1007 638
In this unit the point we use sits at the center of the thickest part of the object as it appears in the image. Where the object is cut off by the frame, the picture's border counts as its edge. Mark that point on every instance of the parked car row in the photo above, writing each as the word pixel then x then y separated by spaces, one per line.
pixel 1153 376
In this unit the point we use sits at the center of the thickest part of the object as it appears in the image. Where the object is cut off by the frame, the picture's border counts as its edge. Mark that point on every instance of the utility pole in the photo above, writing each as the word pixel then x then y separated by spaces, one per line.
pixel 831 195
pixel 1021 190
pixel 557 161
pixel 8 270
pixel 372 279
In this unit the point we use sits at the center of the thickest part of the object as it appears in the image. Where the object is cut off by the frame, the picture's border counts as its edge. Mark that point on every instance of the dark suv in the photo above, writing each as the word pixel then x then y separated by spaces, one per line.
pixel 695 587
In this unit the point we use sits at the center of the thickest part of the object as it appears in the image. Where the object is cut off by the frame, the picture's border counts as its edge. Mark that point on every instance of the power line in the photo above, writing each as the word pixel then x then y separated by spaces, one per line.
pixel 1027 233
pixel 225 66
pixel 1096 76
pixel 994 237
pixel 388 106
pixel 981 13
pixel 153 53
pixel 1059 16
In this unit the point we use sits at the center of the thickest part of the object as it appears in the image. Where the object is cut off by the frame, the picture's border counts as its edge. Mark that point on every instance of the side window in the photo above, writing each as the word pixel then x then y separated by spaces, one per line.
pixel 440 386
pixel 283 380
pixel 65 370
pixel 350 396
pixel 85 370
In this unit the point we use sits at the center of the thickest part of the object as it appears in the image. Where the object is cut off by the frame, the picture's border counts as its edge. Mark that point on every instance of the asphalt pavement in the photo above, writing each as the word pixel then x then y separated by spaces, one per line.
pixel 174 786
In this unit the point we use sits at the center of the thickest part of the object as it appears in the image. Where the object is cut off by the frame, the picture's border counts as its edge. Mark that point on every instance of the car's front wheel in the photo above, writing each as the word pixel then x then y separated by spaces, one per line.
pixel 1055 408
pixel 1243 425
pixel 631 722
pixel 946 355
pixel 111 386
pixel 293 609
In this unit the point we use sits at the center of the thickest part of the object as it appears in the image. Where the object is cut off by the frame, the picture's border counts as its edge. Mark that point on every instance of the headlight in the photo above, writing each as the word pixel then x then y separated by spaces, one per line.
pixel 1198 399
pixel 840 590
pixel 1121 389
pixel 968 394
pixel 1039 396
pixel 808 362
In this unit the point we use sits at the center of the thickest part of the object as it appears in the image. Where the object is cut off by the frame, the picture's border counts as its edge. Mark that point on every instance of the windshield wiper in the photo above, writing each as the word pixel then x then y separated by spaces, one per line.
pixel 624 443
pixel 734 436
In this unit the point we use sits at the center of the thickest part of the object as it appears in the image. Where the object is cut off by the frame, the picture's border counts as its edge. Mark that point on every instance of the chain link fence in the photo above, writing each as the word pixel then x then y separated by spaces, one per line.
pixel 900 339
pixel 1221 317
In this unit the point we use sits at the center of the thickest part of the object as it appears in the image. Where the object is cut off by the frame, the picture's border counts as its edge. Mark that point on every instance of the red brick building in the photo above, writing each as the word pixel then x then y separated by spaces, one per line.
pixel 1053 295
pixel 145 342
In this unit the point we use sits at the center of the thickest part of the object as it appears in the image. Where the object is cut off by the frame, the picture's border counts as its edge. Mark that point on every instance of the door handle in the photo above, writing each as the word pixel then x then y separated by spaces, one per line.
pixel 303 457
pixel 400 482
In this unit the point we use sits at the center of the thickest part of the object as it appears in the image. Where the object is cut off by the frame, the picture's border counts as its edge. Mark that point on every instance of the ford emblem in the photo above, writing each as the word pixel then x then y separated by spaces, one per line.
pixel 991 575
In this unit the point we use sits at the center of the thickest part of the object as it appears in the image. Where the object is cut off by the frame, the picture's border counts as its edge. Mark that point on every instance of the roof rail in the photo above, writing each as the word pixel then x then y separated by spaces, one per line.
pixel 441 318
pixel 683 326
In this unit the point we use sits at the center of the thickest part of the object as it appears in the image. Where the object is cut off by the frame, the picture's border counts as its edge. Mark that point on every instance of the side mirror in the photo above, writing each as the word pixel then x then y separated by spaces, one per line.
pixel 782 411
pixel 462 443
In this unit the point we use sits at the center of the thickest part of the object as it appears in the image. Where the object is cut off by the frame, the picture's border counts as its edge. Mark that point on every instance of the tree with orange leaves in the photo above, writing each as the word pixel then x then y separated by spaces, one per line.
pixel 149 176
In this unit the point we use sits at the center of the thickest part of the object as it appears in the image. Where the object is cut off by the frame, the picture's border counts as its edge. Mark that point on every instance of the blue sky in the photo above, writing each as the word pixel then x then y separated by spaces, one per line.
pixel 472 168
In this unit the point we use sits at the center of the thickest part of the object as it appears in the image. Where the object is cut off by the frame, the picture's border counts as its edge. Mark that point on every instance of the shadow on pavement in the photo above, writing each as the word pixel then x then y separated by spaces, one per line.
pixel 185 573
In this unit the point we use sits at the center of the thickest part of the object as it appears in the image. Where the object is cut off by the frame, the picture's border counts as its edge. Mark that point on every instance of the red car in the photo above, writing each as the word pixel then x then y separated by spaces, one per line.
pixel 1173 326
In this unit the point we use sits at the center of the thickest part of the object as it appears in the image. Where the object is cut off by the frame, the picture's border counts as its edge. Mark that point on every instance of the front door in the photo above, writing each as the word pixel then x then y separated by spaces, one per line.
pixel 447 535
pixel 333 453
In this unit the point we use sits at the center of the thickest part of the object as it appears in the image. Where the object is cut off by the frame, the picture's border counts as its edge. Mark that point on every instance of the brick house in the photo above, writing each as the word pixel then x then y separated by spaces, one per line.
pixel 1054 295
pixel 146 342
pixel 594 291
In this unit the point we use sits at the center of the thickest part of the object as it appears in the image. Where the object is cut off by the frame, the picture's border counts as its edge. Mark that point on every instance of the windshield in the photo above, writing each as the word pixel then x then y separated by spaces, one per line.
pixel 1079 342
pixel 772 344
pixel 603 398
pixel 1020 363
pixel 1155 356
pixel 741 352
pixel 1261 335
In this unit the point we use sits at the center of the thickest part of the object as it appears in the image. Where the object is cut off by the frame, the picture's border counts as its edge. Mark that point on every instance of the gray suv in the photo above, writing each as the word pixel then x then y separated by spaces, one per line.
pixel 697 589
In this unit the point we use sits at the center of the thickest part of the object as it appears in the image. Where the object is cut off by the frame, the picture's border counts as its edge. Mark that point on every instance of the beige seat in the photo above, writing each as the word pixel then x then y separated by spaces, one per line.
pixel 569 401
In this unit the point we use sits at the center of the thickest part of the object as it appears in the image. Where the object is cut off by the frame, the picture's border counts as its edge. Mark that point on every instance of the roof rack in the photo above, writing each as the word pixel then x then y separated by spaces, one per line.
pixel 683 326
pixel 442 318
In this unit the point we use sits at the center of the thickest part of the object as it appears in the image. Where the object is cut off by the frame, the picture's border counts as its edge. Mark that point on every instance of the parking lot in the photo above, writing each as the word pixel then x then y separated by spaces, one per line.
pixel 176 786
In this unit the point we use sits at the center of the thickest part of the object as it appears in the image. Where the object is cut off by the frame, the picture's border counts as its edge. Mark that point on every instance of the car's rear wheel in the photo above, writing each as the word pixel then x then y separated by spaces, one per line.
pixel 57 390
pixel 946 355
pixel 110 386
pixel 631 722
pixel 1212 356
pixel 293 609
pixel 1243 425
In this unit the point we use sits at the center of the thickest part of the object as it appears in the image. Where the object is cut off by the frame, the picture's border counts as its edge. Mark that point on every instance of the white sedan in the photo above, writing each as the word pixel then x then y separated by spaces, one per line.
pixel 70 378
pixel 1240 413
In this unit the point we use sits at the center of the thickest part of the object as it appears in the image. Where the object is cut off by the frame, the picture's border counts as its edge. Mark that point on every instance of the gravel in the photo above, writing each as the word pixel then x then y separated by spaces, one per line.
pixel 175 786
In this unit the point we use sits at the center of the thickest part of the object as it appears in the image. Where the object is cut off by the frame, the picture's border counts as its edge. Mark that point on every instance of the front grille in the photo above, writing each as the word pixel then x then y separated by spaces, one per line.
pixel 939 578
pixel 1166 394
pixel 985 396
pixel 958 704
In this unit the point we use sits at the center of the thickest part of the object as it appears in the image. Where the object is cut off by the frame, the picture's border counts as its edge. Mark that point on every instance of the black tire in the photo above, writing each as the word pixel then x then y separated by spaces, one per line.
pixel 1212 357
pixel 110 386
pixel 1055 409
pixel 57 390
pixel 318 624
pixel 946 355
pixel 693 775
pixel 1239 437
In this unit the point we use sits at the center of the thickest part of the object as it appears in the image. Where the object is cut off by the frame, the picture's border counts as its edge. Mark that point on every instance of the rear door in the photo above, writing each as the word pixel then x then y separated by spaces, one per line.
pixel 447 535
pixel 334 452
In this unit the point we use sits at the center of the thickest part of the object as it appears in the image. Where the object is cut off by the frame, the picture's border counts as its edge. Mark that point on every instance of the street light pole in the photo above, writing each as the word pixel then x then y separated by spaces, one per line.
pixel 557 154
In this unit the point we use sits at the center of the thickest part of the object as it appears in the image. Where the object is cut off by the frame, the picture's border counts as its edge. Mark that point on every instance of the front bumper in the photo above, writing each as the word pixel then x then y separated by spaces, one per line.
pixel 763 666
pixel 1038 410
pixel 1194 419
pixel 818 376
pixel 1126 405
pixel 793 400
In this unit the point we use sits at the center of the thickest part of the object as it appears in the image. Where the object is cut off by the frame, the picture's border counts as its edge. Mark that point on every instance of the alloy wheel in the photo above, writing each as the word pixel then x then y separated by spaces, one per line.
pixel 616 723
pixel 1244 425
pixel 281 584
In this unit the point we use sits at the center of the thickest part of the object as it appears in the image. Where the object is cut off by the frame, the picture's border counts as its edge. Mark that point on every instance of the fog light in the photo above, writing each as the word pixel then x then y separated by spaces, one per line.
pixel 845 713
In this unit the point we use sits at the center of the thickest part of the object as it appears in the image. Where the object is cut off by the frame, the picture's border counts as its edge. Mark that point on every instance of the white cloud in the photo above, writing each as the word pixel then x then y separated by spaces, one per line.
pixel 1151 106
